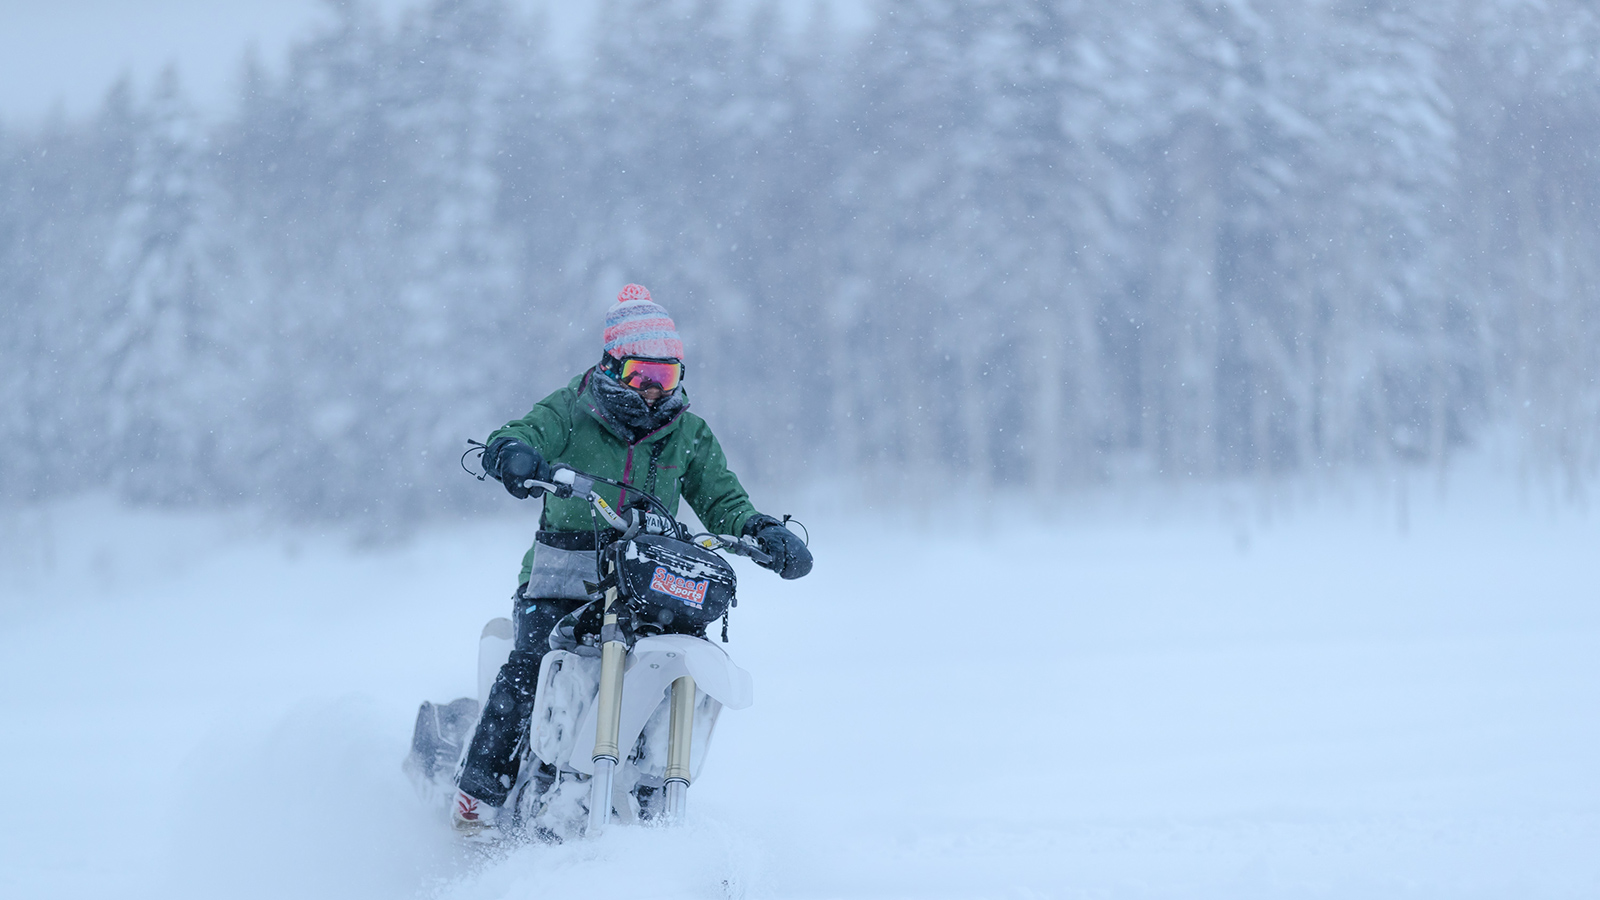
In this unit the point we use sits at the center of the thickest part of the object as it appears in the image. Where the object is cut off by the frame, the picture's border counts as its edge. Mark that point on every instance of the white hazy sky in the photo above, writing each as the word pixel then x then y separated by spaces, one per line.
pixel 64 54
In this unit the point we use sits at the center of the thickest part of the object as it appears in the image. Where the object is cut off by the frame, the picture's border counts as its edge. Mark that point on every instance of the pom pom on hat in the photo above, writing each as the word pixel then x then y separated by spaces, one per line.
pixel 638 326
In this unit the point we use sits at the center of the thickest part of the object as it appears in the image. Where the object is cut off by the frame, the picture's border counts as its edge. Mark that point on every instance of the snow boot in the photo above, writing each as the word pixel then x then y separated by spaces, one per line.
pixel 471 817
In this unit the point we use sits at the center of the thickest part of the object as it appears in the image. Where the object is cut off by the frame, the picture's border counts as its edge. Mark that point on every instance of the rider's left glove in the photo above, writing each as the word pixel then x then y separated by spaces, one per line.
pixel 513 462
pixel 790 557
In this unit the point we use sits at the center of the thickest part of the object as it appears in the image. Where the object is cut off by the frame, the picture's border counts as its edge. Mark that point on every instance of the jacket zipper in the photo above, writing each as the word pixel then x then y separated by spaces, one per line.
pixel 627 477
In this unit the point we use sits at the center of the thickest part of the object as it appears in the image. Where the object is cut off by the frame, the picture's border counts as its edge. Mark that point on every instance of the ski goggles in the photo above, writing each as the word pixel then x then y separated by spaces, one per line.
pixel 640 372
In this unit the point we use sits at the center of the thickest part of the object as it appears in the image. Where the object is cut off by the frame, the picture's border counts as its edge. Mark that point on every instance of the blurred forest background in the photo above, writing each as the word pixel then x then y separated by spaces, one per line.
pixel 980 242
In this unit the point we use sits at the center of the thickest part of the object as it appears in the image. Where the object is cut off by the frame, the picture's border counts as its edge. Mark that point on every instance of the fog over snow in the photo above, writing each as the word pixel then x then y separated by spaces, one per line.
pixel 1211 697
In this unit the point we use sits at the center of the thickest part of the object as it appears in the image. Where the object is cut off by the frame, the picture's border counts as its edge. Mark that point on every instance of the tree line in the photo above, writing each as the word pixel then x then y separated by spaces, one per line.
pixel 1036 243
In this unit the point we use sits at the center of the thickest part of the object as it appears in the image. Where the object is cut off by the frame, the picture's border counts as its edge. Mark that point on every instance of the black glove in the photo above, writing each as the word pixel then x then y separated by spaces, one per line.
pixel 790 558
pixel 514 462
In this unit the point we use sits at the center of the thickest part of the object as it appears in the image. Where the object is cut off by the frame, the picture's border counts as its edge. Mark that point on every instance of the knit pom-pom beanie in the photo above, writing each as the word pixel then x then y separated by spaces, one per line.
pixel 638 326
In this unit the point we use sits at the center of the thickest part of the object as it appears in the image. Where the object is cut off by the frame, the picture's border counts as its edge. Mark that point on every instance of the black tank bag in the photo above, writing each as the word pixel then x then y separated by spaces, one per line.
pixel 672 584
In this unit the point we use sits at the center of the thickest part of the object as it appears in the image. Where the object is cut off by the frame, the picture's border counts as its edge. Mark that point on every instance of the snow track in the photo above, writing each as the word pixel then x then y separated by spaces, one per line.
pixel 1319 707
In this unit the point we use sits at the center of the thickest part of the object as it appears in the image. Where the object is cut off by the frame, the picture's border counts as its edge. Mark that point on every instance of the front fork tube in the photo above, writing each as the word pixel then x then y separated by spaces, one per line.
pixel 608 722
pixel 680 733
pixel 613 653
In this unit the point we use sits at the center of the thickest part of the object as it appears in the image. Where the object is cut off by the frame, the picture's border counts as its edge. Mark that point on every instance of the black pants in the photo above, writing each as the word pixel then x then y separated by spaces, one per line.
pixel 491 765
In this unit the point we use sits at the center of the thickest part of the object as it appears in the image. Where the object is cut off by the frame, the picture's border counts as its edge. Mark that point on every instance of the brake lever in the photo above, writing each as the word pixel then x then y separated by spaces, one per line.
pixel 560 490
pixel 564 482
pixel 747 546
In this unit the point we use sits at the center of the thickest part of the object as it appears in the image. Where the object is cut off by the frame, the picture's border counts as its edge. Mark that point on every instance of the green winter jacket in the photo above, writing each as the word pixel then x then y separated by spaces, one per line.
pixel 565 427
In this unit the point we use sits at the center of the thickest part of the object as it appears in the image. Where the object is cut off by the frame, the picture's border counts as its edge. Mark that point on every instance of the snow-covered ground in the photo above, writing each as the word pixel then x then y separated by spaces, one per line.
pixel 1163 700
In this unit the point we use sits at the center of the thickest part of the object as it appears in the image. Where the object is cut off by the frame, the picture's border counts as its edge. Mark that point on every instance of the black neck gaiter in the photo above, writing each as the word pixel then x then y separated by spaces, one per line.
pixel 627 413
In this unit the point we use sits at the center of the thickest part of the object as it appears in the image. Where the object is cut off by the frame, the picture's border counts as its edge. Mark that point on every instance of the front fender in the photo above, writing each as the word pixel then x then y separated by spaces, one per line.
pixel 713 670
pixel 652 666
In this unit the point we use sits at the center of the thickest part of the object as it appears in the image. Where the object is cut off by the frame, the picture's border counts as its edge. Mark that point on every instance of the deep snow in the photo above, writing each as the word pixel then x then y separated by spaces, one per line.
pixel 1155 701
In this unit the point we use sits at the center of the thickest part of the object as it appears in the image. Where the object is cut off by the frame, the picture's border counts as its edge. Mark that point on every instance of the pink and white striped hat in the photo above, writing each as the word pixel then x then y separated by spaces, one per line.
pixel 637 326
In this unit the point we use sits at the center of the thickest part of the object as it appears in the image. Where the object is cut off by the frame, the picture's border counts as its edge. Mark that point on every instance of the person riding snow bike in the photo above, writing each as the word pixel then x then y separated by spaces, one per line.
pixel 625 419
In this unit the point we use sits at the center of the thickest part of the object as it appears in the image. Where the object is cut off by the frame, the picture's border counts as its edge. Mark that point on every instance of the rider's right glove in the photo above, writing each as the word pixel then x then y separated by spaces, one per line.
pixel 790 557
pixel 513 462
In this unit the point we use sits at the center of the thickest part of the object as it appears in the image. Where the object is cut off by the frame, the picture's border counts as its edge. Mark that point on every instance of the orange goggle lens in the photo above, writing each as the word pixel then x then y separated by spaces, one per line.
pixel 643 373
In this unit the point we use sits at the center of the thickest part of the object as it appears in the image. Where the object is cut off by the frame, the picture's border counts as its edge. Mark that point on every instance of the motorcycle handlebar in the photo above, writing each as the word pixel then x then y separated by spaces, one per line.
pixel 746 547
pixel 566 481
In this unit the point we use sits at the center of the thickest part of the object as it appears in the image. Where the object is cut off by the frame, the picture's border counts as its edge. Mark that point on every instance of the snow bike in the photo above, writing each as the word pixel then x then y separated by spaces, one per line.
pixel 630 691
